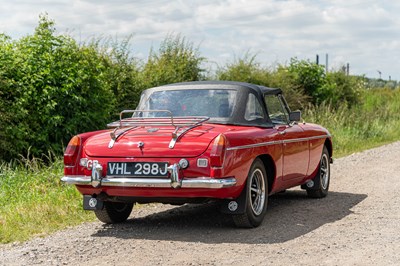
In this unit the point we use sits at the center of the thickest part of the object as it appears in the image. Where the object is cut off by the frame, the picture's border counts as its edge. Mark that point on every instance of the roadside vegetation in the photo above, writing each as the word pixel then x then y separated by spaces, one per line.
pixel 373 122
pixel 33 202
pixel 52 87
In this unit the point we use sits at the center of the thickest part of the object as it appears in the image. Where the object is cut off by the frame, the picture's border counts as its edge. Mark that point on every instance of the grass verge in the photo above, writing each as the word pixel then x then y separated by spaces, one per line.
pixel 34 202
pixel 374 122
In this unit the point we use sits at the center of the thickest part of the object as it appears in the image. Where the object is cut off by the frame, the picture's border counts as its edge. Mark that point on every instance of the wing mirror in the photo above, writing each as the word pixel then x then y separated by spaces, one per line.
pixel 295 116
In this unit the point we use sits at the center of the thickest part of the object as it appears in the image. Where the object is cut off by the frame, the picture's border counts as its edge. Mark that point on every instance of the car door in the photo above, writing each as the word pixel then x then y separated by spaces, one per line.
pixel 295 144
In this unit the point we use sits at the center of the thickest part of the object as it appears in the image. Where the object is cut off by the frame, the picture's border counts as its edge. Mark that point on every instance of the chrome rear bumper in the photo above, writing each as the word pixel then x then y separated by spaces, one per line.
pixel 176 180
pixel 200 182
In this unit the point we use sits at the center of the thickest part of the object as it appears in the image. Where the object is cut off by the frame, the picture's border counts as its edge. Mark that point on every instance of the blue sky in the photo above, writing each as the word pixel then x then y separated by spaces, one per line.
pixel 364 33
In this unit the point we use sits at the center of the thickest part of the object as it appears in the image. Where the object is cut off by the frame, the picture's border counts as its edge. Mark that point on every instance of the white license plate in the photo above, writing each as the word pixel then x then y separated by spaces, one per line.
pixel 137 169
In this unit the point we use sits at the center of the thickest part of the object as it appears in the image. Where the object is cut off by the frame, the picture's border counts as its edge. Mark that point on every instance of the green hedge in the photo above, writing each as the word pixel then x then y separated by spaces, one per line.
pixel 52 87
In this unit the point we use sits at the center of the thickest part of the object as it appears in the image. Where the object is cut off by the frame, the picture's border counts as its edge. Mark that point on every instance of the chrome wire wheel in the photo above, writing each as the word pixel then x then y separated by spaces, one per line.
pixel 257 191
pixel 255 194
pixel 322 179
pixel 324 171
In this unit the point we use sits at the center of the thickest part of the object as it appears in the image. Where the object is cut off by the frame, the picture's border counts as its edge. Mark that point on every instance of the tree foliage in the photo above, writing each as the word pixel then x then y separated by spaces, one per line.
pixel 53 89
pixel 122 71
pixel 307 75
pixel 302 81
pixel 248 69
pixel 338 88
pixel 175 61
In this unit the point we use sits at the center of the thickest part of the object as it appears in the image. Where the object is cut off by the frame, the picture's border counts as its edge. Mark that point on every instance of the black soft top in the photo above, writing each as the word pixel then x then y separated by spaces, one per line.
pixel 228 85
pixel 243 89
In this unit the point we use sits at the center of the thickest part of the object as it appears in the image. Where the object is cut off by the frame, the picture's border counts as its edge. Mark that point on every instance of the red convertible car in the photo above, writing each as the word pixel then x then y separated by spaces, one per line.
pixel 199 141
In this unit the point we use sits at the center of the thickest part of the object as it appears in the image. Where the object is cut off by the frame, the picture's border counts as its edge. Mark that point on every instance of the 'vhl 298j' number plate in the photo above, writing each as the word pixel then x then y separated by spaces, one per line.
pixel 137 169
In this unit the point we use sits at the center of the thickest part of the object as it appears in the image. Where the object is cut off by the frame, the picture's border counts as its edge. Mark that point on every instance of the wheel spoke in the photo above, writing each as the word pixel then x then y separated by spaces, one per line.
pixel 256 181
pixel 256 203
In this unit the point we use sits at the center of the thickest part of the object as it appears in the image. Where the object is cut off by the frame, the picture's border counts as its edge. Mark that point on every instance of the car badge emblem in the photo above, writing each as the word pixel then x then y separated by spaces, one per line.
pixel 140 145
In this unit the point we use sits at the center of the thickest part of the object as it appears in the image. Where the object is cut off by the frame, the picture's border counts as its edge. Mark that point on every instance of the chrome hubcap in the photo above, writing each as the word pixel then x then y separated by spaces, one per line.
pixel 257 191
pixel 324 171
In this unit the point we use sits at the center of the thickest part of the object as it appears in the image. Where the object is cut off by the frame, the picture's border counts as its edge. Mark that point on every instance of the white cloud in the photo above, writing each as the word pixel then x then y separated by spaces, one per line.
pixel 361 32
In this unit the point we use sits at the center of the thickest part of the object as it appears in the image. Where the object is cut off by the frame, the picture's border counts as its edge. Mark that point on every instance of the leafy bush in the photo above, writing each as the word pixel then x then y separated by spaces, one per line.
pixel 8 94
pixel 334 87
pixel 308 76
pixel 176 61
pixel 122 71
pixel 247 69
pixel 339 87
pixel 53 88
pixel 302 81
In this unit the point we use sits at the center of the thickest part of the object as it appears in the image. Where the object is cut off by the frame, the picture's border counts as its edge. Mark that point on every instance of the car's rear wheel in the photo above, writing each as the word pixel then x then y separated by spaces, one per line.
pixel 114 212
pixel 322 178
pixel 257 197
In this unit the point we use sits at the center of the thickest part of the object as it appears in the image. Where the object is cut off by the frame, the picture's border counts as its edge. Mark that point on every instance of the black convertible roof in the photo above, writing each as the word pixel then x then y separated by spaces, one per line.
pixel 243 90
pixel 227 85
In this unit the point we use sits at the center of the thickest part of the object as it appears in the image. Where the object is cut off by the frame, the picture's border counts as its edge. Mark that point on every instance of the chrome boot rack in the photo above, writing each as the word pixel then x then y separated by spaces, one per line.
pixel 185 123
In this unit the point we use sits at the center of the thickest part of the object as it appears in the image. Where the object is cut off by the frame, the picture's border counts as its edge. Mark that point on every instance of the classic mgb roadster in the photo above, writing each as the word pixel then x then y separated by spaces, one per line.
pixel 193 142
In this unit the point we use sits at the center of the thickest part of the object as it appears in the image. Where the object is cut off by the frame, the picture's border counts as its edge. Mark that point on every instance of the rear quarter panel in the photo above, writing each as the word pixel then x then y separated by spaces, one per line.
pixel 246 144
pixel 317 135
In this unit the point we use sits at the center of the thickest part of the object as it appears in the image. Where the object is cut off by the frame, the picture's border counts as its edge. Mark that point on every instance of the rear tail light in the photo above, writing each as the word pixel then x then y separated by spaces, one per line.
pixel 72 151
pixel 218 151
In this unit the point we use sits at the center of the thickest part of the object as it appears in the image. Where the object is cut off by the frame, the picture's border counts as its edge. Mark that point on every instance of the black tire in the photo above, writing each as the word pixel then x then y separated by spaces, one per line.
pixel 257 197
pixel 322 179
pixel 114 212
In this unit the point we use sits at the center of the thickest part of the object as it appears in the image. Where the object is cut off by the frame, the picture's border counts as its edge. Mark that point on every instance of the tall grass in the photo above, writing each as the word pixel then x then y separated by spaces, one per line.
pixel 374 122
pixel 33 201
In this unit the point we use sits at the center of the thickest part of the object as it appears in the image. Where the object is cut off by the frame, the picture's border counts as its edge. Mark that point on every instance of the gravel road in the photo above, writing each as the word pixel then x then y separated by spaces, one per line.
pixel 357 224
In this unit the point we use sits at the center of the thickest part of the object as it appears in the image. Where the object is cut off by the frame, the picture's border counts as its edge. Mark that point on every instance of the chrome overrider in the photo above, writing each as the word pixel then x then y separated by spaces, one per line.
pixel 176 180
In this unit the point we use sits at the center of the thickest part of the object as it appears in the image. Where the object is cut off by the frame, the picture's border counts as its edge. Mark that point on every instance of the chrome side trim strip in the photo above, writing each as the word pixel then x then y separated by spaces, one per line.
pixel 254 145
pixel 296 140
pixel 320 137
pixel 275 142
pixel 200 182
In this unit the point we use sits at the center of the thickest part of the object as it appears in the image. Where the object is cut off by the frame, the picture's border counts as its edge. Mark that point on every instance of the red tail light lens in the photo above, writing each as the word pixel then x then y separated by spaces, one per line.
pixel 218 151
pixel 72 151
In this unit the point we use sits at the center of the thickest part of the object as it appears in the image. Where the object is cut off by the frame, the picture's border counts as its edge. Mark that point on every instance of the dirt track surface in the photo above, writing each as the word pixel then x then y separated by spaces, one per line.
pixel 357 224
